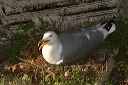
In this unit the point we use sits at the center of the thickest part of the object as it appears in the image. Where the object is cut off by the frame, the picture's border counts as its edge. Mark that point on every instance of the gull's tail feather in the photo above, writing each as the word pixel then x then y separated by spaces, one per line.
pixel 110 26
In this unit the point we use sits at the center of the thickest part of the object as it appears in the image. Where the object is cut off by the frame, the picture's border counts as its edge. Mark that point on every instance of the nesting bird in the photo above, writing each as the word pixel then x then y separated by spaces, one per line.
pixel 74 45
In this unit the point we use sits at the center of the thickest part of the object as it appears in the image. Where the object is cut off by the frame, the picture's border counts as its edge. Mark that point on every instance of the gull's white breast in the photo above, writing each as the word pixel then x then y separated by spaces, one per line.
pixel 51 53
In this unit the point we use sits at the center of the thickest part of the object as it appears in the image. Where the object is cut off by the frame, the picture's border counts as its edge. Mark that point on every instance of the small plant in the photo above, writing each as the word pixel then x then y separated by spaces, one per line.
pixel 80 26
pixel 72 76
pixel 27 26
pixel 2 34
pixel 27 79
pixel 89 23
pixel 2 81
pixel 6 27
pixel 45 24
pixel 24 80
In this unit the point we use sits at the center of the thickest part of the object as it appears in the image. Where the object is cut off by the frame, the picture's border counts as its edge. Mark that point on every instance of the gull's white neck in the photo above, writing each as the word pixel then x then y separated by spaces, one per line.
pixel 51 53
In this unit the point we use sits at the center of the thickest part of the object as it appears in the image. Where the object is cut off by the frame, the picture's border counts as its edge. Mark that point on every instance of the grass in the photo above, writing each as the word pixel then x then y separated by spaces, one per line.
pixel 116 41
pixel 19 40
pixel 60 75
pixel 71 77
pixel 24 80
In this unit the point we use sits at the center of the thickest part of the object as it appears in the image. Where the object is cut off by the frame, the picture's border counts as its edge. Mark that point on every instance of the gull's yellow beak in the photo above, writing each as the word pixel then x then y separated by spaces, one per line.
pixel 41 43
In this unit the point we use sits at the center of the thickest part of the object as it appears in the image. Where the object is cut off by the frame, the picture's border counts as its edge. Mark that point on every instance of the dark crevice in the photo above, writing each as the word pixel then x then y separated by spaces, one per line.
pixel 17 23
pixel 3 10
pixel 90 1
pixel 94 10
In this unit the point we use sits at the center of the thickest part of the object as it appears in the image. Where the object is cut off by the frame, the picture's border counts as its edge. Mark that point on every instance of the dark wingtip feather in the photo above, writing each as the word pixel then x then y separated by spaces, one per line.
pixel 109 23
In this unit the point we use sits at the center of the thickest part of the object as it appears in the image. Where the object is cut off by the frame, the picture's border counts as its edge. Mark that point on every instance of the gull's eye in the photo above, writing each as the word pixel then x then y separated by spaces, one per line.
pixel 50 36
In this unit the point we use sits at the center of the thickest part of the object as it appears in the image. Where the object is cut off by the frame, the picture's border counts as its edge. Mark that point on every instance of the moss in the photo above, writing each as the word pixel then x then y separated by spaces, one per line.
pixel 27 26
pixel 16 43
pixel 44 23
pixel 6 27
pixel 2 34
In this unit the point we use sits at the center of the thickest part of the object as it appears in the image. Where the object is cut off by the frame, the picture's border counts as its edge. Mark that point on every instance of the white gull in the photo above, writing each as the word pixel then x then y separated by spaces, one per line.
pixel 74 45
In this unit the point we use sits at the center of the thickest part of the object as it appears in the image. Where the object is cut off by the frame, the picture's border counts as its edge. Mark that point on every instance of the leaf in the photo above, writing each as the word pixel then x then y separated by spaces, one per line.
pixel 115 51
pixel 13 68
pixel 25 77
pixel 25 53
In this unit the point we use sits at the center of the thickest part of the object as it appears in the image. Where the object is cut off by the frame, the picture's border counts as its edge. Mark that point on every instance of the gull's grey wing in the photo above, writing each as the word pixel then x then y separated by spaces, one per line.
pixel 77 44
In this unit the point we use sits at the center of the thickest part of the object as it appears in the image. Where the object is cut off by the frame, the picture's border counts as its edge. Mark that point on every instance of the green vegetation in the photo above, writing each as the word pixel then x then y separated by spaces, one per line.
pixel 6 27
pixel 116 41
pixel 19 40
pixel 89 23
pixel 45 24
pixel 73 75
pixel 24 80
pixel 27 26
pixel 2 34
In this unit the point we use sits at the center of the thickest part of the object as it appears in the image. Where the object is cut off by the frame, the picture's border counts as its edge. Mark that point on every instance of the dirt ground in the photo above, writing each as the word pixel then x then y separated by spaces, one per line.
pixel 32 63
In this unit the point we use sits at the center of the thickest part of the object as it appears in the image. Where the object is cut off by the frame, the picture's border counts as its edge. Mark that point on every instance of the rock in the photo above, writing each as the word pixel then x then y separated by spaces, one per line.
pixel 14 31
pixel 20 31
pixel 3 39
pixel 37 22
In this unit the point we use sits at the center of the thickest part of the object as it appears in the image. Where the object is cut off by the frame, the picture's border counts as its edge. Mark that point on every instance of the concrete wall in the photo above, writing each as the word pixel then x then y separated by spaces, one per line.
pixel 64 14
pixel 61 14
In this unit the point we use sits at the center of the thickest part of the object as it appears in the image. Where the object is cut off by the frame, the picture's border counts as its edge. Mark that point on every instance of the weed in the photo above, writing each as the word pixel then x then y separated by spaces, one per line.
pixel 73 76
pixel 24 80
pixel 2 34
pixel 44 23
pixel 6 27
pixel 27 26
pixel 89 23
pixel 2 81
pixel 80 26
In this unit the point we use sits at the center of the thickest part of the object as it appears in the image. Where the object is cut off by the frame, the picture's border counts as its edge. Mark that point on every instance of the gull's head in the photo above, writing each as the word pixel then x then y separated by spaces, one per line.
pixel 49 38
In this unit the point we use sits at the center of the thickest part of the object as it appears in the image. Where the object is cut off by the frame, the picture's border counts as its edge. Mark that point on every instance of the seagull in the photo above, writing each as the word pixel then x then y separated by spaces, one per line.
pixel 74 45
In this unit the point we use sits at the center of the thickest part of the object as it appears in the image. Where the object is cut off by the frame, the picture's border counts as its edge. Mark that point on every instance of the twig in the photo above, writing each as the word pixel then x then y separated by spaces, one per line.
pixel 29 62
